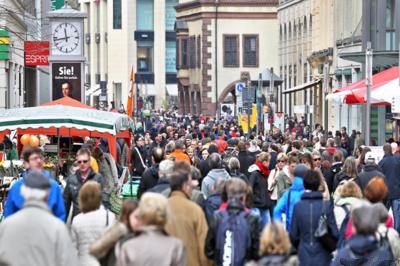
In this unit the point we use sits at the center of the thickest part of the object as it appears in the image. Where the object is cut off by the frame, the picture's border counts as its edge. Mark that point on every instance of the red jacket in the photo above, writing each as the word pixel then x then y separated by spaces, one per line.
pixel 222 145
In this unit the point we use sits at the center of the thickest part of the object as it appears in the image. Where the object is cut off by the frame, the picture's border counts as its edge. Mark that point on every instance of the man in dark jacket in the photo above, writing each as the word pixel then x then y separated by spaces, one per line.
pixel 306 216
pixel 245 159
pixel 236 190
pixel 165 169
pixel 370 170
pixel 335 169
pixel 364 248
pixel 76 181
pixel 391 168
pixel 138 163
pixel 150 175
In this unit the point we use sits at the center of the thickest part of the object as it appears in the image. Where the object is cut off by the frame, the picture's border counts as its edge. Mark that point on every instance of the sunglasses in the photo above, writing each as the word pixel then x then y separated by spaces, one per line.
pixel 281 161
pixel 317 159
pixel 83 161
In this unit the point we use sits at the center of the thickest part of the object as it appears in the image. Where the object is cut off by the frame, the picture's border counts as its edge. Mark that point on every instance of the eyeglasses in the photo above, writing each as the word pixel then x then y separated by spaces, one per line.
pixel 36 158
pixel 317 159
pixel 83 161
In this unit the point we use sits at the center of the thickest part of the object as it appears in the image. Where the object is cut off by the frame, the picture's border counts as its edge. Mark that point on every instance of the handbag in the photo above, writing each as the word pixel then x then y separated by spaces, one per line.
pixel 130 190
pixel 323 234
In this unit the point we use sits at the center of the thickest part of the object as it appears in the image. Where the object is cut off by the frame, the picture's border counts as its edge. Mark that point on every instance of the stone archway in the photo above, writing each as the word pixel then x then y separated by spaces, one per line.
pixel 227 90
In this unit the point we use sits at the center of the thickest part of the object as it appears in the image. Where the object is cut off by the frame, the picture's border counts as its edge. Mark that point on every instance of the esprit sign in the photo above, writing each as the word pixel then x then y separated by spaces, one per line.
pixel 36 53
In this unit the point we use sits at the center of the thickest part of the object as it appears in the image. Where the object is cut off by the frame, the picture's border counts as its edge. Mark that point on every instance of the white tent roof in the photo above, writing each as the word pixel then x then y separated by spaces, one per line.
pixel 64 116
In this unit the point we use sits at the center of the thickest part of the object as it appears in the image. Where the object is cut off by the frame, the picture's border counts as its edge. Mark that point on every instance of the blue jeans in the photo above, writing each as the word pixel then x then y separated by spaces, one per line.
pixel 263 214
pixel 395 204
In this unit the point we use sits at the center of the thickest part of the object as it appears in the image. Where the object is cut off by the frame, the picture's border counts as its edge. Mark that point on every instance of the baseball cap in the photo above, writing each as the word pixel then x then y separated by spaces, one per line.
pixel 371 157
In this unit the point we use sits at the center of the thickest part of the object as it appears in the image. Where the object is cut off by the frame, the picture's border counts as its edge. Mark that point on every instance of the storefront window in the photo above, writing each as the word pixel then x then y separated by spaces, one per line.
pixel 145 57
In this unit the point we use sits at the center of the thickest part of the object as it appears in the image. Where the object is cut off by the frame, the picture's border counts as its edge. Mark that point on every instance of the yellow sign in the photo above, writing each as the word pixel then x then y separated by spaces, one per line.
pixel 243 120
pixel 4 40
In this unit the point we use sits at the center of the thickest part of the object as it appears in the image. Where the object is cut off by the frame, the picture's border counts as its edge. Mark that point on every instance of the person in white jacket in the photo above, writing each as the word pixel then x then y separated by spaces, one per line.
pixel 93 221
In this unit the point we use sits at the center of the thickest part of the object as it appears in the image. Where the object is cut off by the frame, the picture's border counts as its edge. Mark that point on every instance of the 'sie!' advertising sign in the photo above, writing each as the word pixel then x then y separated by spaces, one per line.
pixel 36 53
pixel 66 80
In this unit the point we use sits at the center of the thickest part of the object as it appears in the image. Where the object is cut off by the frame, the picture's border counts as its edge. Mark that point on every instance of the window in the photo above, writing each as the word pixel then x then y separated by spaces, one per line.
pixel 170 57
pixel 144 15
pixel 250 53
pixel 294 75
pixel 184 53
pixel 192 52
pixel 198 47
pixel 145 57
pixel 170 14
pixel 231 50
pixel 117 14
pixel 390 27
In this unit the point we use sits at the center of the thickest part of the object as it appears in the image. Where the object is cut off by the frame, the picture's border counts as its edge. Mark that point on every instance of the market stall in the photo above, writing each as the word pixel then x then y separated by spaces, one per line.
pixel 67 117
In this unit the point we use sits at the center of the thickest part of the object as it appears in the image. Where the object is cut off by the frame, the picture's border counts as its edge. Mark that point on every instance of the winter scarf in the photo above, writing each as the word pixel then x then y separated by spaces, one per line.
pixel 264 170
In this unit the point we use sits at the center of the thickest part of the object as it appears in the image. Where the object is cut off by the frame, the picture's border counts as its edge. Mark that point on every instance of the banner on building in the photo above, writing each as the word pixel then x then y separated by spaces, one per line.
pixel 67 80
pixel 267 124
pixel 279 121
pixel 36 53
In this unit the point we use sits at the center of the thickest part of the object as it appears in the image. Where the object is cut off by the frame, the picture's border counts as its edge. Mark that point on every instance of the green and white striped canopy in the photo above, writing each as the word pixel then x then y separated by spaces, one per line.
pixel 64 116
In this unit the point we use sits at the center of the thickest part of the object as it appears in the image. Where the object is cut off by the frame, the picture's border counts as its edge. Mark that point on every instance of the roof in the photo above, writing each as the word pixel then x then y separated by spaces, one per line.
pixel 57 116
pixel 68 101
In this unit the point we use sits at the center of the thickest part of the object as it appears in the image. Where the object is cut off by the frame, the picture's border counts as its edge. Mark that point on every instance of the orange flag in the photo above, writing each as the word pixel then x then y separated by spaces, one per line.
pixel 129 107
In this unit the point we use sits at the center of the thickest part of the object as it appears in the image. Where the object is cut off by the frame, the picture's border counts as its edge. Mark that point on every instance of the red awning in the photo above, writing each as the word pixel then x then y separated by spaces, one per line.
pixel 356 92
pixel 68 101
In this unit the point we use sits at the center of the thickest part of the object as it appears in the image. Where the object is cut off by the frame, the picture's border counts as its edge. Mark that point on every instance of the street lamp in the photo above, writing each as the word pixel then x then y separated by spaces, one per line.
pixel 368 83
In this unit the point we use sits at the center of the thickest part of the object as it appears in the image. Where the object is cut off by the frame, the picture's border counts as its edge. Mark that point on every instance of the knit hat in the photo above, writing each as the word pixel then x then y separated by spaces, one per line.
pixel 35 179
pixel 300 170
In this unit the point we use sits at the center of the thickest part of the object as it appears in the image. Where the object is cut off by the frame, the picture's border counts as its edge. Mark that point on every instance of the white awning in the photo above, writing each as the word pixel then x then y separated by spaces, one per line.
pixel 147 89
pixel 92 89
pixel 172 89
pixel 302 86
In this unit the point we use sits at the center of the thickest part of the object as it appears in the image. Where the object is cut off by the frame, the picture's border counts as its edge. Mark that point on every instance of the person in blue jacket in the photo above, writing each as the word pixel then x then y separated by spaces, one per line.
pixel 34 160
pixel 285 204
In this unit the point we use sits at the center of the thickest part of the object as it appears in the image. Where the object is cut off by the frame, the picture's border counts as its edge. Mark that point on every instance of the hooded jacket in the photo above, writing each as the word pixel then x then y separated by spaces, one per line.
pixel 361 250
pixel 209 180
pixel 259 183
pixel 284 206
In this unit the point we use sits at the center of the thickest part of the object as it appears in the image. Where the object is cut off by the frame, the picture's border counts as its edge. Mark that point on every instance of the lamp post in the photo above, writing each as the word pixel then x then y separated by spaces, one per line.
pixel 216 59
pixel 368 83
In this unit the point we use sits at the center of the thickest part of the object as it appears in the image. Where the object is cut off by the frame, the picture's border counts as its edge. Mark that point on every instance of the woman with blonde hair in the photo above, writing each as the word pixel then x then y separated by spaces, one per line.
pixel 275 246
pixel 152 245
pixel 350 197
pixel 349 172
pixel 93 221
pixel 281 165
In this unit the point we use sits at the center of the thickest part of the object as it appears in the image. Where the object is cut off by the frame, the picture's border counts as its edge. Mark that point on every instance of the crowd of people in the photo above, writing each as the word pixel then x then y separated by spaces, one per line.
pixel 209 194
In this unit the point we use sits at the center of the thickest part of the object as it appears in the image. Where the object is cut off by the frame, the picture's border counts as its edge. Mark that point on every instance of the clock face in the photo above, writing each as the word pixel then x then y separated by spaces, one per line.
pixel 66 38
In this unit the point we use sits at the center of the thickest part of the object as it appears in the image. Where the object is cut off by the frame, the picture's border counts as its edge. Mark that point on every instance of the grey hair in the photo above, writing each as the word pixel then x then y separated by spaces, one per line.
pixel 166 167
pixel 33 193
pixel 234 163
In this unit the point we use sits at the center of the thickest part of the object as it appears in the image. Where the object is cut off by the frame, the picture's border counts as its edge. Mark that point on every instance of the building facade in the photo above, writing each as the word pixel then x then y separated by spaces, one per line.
pixel 306 55
pixel 13 32
pixel 218 42
pixel 123 34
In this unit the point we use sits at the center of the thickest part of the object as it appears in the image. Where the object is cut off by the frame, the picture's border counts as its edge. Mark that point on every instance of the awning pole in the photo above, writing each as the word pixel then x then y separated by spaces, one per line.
pixel 368 81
